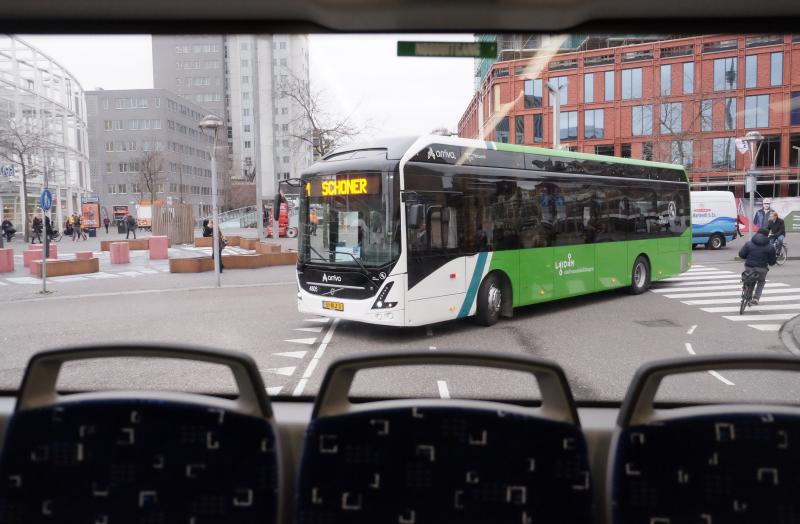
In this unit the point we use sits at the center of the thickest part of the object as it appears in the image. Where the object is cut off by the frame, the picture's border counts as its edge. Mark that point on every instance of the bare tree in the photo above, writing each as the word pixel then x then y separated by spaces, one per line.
pixel 19 144
pixel 317 125
pixel 151 173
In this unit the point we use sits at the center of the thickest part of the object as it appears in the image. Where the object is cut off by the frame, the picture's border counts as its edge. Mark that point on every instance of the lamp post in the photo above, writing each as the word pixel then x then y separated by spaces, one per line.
pixel 753 139
pixel 556 96
pixel 214 123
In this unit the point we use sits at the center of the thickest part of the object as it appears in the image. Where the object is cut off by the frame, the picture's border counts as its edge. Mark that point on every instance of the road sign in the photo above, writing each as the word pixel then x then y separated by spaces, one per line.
pixel 7 170
pixel 46 200
pixel 448 49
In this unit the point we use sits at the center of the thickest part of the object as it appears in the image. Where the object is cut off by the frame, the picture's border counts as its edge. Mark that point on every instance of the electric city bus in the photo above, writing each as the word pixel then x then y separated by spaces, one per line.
pixel 412 231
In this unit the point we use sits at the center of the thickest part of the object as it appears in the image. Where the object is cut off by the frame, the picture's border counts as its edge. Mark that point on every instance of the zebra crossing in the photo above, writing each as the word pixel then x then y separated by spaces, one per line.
pixel 719 291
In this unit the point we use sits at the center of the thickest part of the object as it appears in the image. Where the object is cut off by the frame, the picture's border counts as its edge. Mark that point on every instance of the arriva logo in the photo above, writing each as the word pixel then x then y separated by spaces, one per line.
pixel 331 278
pixel 441 154
pixel 561 265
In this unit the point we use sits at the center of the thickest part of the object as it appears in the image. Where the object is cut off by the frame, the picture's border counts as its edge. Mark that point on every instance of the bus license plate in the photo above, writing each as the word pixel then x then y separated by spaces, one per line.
pixel 335 306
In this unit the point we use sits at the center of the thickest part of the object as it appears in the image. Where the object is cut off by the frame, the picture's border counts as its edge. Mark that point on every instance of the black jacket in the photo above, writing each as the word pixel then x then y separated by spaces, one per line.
pixel 758 252
pixel 777 227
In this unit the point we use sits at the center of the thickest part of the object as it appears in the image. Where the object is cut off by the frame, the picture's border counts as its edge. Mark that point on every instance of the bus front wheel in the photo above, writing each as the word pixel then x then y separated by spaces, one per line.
pixel 640 276
pixel 490 301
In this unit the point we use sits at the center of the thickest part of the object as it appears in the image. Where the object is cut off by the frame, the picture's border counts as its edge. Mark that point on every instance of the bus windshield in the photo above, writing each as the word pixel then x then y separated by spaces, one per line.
pixel 350 218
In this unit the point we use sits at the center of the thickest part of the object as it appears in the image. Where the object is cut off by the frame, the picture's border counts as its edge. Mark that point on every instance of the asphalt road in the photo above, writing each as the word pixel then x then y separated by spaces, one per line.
pixel 600 339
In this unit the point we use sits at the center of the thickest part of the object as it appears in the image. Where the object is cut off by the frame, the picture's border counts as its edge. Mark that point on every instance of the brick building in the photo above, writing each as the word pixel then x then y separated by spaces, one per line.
pixel 676 100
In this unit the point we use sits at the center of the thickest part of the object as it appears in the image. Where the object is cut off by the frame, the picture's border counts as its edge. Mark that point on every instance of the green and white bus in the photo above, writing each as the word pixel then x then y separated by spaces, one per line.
pixel 412 231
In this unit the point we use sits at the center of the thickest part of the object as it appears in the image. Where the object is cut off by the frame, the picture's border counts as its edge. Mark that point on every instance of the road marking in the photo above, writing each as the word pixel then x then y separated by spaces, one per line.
pixel 150 291
pixel 276 390
pixel 680 285
pixel 691 329
pixel 696 265
pixel 734 309
pixel 713 373
pixel 750 318
pixel 314 329
pixel 287 371
pixel 721 378
pixel 712 301
pixel 298 390
pixel 102 275
pixel 701 270
pixel 150 272
pixel 130 273
pixel 732 293
pixel 292 354
pixel 321 320
pixel 307 341
pixel 686 289
pixel 703 277
pixel 432 348
pixel 24 280
pixel 67 278
pixel 765 327
pixel 443 391
pixel 3 284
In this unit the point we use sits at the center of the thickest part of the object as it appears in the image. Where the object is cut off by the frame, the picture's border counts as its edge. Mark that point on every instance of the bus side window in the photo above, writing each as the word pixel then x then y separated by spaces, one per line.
pixel 451 238
pixel 435 227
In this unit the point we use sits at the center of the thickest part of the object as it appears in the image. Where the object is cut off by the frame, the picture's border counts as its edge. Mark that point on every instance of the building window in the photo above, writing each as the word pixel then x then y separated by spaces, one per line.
pixel 245 62
pixel 682 152
pixel 561 84
pixel 725 70
pixel 568 125
pixel 588 88
pixel 282 45
pixel 647 151
pixel 533 93
pixel 593 123
pixel 756 111
pixel 666 80
pixel 625 150
pixel 795 109
pixel 631 83
pixel 501 130
pixel 642 120
pixel 604 149
pixel 723 153
pixel 750 70
pixel 538 130
pixel 157 101
pixel 122 189
pixel 245 79
pixel 247 144
pixel 105 103
pixel 706 119
pixel 108 167
pixel 286 160
pixel 776 69
pixel 609 85
pixel 244 46
pixel 246 128
pixel 284 127
pixel 245 95
pixel 671 118
pixel 688 78
pixel 112 189
pixel 730 114
pixel 246 111
pixel 519 126
pixel 109 147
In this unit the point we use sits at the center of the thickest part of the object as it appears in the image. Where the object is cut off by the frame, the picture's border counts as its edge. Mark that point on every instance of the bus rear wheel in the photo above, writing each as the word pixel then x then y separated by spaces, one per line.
pixel 490 301
pixel 640 276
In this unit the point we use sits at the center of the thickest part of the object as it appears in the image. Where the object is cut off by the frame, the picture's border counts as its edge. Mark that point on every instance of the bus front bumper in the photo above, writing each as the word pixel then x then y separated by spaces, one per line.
pixel 357 310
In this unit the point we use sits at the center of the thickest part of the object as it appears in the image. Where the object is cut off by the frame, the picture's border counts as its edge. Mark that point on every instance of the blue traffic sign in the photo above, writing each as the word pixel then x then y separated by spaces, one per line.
pixel 46 200
pixel 7 170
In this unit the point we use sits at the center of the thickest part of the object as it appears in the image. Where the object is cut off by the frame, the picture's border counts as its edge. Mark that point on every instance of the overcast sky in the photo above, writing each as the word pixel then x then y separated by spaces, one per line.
pixel 361 76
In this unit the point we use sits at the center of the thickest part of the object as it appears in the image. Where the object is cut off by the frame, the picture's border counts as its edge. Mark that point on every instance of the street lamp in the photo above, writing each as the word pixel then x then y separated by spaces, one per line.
pixel 556 96
pixel 753 139
pixel 214 123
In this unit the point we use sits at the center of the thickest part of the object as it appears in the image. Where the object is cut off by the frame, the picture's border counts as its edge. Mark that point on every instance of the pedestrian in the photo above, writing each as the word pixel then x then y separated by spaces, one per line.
pixel 36 228
pixel 8 229
pixel 106 222
pixel 48 227
pixel 314 220
pixel 222 244
pixel 130 222
pixel 758 254
pixel 739 221
pixel 777 230
pixel 76 227
pixel 761 218
pixel 208 228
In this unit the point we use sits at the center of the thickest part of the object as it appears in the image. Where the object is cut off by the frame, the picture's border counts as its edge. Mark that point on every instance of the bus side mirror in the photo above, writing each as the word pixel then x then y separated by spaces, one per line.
pixel 408 196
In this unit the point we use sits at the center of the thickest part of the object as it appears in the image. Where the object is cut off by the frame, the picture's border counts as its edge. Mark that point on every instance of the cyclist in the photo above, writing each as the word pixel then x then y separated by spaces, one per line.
pixel 758 254
pixel 777 230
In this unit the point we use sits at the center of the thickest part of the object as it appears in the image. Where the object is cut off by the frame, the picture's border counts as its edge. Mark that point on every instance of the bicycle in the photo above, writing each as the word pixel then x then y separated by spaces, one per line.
pixel 749 281
pixel 782 254
pixel 55 236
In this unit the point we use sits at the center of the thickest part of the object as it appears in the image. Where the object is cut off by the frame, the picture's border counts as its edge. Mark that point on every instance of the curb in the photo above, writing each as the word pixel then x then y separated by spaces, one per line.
pixel 788 337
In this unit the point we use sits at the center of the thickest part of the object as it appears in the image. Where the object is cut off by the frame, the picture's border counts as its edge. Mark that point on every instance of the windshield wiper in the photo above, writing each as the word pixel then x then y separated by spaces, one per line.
pixel 364 271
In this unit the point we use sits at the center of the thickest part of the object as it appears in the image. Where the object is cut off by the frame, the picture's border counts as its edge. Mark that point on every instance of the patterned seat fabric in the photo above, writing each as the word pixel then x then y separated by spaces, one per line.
pixel 137 461
pixel 443 465
pixel 726 469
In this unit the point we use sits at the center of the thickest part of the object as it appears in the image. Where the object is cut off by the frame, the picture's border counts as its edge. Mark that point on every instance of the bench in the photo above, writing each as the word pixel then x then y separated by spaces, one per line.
pixel 83 255
pixel 209 241
pixel 140 244
pixel 57 268
pixel 268 248
pixel 254 261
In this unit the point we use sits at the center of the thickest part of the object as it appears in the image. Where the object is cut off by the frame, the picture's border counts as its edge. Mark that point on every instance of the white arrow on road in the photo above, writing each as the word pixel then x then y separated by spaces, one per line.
pixel 274 391
pixel 287 371
pixel 321 320
pixel 292 354
pixel 307 341
pixel 315 329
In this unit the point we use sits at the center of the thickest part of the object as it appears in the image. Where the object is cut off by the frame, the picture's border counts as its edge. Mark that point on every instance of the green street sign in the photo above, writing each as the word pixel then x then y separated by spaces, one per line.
pixel 448 49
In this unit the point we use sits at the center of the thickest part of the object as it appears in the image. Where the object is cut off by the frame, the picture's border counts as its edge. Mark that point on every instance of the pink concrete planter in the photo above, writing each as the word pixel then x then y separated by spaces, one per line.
pixel 6 260
pixel 159 248
pixel 120 253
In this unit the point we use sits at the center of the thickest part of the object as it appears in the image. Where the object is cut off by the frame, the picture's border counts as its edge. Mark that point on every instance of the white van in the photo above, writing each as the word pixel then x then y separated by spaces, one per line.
pixel 713 218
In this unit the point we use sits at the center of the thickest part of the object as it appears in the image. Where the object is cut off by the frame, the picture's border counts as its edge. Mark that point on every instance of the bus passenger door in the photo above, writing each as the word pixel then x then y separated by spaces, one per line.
pixel 436 267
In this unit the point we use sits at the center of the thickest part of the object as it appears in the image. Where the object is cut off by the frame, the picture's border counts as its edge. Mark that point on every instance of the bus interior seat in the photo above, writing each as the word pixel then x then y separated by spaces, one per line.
pixel 441 460
pixel 708 464
pixel 139 457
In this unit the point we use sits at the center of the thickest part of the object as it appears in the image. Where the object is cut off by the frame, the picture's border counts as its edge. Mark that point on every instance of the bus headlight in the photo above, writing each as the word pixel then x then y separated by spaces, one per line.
pixel 380 302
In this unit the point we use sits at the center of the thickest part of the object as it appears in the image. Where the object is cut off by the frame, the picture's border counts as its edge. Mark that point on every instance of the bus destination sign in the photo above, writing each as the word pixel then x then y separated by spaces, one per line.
pixel 343 185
